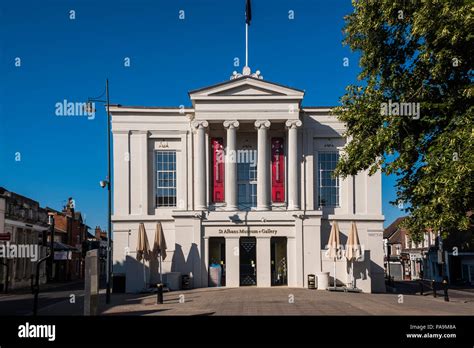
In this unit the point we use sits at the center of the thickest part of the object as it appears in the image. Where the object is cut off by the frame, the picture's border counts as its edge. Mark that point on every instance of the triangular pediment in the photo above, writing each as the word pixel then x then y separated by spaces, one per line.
pixel 244 87
pixel 248 90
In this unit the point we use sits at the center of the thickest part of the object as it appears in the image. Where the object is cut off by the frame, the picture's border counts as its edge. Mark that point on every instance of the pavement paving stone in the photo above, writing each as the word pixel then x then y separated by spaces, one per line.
pixel 275 301
pixel 253 301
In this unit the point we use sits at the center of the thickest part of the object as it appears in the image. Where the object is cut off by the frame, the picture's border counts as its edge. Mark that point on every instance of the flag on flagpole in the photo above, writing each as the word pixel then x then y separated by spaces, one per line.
pixel 248 12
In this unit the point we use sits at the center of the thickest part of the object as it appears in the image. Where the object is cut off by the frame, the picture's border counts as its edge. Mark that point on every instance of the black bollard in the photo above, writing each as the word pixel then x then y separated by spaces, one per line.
pixel 421 287
pixel 445 288
pixel 159 298
pixel 433 285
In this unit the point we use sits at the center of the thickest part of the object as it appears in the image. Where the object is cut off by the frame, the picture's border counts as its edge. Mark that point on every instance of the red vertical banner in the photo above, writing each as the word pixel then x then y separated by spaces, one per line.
pixel 217 170
pixel 278 171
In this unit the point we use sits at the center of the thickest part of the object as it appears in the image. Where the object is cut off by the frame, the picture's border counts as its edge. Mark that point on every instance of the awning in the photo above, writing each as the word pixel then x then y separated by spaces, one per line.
pixel 58 246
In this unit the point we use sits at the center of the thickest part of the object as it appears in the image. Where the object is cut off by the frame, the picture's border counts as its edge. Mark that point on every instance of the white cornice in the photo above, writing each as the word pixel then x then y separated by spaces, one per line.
pixel 247 97
pixel 357 217
pixel 172 112
pixel 317 110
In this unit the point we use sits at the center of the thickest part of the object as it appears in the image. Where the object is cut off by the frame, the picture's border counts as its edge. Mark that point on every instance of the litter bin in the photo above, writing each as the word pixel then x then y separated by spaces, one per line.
pixel 323 280
pixel 118 283
pixel 311 281
pixel 185 282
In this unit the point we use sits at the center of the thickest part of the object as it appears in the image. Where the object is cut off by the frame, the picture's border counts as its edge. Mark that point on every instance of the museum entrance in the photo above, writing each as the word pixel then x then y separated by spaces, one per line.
pixel 216 261
pixel 248 258
pixel 279 261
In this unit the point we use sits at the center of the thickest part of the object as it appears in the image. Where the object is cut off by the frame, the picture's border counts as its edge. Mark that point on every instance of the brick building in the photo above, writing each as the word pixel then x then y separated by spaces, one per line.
pixel 406 257
pixel 69 235
pixel 22 224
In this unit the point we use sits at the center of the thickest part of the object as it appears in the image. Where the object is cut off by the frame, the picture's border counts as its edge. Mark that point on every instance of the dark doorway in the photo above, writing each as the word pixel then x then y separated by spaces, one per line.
pixel 248 258
pixel 216 260
pixel 279 263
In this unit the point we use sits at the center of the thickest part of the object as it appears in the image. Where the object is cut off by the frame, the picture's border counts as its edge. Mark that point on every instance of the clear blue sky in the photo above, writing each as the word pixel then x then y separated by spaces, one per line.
pixel 70 59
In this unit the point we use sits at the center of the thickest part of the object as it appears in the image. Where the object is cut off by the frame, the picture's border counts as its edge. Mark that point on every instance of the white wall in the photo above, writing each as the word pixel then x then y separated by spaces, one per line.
pixel 139 132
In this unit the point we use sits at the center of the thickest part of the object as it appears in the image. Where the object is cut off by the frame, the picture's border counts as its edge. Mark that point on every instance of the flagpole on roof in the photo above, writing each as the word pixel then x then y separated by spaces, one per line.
pixel 246 44
pixel 246 71
pixel 248 18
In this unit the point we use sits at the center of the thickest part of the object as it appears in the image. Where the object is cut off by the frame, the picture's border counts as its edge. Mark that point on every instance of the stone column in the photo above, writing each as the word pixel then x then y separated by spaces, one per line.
pixel 293 165
pixel 205 272
pixel 144 172
pixel 231 165
pixel 263 167
pixel 264 256
pixel 292 266
pixel 232 261
pixel 200 186
pixel 121 173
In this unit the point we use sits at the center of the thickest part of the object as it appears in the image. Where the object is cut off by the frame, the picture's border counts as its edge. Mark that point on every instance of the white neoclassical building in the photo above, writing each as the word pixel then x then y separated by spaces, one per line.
pixel 242 184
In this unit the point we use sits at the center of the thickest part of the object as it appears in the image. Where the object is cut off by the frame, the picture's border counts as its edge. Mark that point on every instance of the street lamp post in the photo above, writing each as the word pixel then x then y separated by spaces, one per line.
pixel 107 183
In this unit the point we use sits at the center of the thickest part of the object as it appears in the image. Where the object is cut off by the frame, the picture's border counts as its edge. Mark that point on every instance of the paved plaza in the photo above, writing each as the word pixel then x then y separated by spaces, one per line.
pixel 273 301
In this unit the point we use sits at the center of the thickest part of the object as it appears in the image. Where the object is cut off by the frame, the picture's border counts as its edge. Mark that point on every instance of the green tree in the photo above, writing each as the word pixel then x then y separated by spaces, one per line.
pixel 414 52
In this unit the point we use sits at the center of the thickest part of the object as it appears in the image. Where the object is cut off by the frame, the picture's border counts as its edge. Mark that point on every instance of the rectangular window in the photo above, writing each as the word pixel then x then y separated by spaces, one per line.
pixel 166 178
pixel 328 185
pixel 246 185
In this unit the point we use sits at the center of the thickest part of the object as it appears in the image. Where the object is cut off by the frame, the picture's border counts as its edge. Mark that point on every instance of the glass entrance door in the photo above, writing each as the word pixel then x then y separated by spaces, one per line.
pixel 248 261
pixel 278 261
pixel 216 261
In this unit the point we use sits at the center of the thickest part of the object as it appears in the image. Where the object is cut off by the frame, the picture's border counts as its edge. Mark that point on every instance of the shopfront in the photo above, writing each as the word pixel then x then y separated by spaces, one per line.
pixel 252 254
pixel 247 256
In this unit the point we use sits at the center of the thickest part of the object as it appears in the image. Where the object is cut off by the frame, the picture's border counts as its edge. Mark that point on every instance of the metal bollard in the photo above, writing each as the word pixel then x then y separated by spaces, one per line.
pixel 159 295
pixel 445 288
pixel 421 287
pixel 433 286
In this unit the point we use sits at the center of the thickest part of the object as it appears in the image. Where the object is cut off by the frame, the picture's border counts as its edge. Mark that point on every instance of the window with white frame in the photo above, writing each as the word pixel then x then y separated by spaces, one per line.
pixel 328 184
pixel 165 178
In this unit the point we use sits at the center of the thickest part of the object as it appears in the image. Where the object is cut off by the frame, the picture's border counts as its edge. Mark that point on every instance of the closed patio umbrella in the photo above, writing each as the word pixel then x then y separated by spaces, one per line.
pixel 334 246
pixel 353 249
pixel 159 246
pixel 143 248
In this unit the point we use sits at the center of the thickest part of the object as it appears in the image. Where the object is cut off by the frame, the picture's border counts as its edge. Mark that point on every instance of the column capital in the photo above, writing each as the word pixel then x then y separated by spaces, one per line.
pixel 292 124
pixel 196 124
pixel 231 124
pixel 262 124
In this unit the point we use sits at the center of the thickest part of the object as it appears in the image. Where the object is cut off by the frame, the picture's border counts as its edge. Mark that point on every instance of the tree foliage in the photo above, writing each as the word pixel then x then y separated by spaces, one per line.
pixel 414 52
